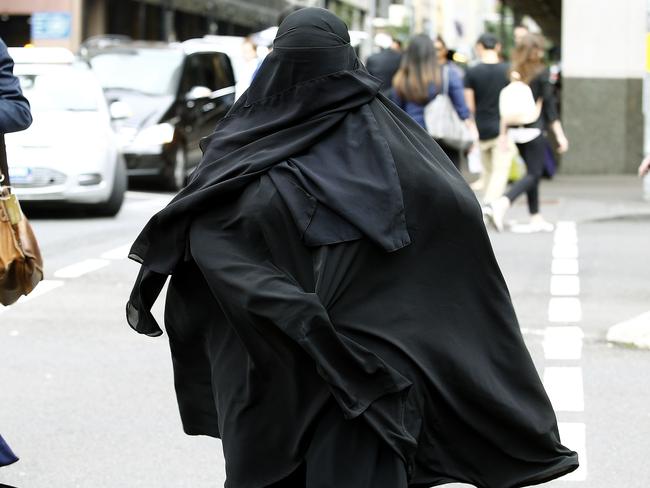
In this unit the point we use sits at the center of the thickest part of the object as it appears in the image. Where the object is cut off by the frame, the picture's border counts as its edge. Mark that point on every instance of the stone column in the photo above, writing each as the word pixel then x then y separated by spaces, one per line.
pixel 603 55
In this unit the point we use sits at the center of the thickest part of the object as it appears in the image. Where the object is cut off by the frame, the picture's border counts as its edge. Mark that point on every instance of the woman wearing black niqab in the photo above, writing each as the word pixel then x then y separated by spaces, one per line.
pixel 335 311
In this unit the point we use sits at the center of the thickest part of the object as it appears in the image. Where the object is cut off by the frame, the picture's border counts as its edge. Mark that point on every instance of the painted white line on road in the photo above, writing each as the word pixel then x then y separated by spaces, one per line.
pixel 574 436
pixel 563 343
pixel 81 268
pixel 564 387
pixel 145 195
pixel 564 225
pixel 565 267
pixel 565 239
pixel 565 236
pixel 121 252
pixel 565 285
pixel 565 251
pixel 42 288
pixel 533 332
pixel 564 310
pixel 564 384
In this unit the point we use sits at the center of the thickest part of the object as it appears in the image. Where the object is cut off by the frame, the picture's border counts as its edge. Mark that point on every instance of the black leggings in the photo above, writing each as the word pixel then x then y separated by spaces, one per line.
pixel 533 154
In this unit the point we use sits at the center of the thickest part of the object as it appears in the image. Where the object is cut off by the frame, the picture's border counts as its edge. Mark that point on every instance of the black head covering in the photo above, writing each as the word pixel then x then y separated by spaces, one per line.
pixel 306 122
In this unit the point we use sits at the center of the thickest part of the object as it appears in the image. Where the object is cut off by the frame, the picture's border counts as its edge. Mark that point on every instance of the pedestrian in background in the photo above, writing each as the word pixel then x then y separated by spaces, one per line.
pixel 444 59
pixel 335 313
pixel 250 65
pixel 528 66
pixel 385 63
pixel 483 84
pixel 519 32
pixel 419 80
pixel 644 172
pixel 15 115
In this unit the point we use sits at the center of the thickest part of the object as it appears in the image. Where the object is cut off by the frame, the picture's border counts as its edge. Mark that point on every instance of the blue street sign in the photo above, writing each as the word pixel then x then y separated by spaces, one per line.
pixel 51 25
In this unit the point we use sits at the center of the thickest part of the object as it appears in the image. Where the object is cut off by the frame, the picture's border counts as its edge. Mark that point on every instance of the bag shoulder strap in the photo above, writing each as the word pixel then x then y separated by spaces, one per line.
pixel 4 168
pixel 445 79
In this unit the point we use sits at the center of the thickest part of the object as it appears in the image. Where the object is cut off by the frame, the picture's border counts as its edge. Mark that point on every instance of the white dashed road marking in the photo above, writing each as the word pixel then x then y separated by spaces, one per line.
pixel 42 288
pixel 79 269
pixel 564 310
pixel 563 342
pixel 574 435
pixel 564 387
pixel 121 252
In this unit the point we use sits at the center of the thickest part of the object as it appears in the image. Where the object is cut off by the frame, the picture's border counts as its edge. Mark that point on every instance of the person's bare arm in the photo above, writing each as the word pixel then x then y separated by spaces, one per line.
pixel 644 167
pixel 562 141
pixel 470 100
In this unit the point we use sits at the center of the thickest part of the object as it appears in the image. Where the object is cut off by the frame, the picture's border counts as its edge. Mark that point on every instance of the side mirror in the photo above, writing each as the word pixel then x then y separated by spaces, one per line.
pixel 120 110
pixel 198 92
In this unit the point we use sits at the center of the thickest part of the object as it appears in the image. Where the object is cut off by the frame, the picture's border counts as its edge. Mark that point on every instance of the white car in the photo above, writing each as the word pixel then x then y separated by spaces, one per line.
pixel 70 152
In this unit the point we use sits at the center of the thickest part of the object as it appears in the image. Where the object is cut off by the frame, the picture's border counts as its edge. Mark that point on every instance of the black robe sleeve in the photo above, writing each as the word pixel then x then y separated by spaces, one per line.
pixel 255 293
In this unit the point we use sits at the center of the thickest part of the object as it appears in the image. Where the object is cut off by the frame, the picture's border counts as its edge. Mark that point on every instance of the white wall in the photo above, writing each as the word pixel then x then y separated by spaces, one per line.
pixel 603 38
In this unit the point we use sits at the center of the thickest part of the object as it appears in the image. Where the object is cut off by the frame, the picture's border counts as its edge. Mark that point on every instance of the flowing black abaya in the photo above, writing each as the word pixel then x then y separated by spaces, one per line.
pixel 326 250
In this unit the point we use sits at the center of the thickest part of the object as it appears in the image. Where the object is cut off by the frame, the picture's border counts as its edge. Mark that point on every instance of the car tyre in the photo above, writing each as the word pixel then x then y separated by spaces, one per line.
pixel 175 175
pixel 112 206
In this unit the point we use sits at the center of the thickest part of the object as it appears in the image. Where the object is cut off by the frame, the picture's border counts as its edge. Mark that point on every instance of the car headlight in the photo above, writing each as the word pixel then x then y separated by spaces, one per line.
pixel 154 135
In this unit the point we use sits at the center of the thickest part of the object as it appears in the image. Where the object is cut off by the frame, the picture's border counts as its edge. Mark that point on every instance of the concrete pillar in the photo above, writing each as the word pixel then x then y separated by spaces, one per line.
pixel 95 16
pixel 603 55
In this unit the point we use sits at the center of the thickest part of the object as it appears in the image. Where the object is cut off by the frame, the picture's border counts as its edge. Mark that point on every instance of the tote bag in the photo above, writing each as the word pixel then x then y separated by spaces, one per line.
pixel 517 106
pixel 442 121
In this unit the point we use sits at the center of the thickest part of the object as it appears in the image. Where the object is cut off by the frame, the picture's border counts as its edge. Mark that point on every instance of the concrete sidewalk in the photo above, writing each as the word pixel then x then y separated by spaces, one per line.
pixel 583 198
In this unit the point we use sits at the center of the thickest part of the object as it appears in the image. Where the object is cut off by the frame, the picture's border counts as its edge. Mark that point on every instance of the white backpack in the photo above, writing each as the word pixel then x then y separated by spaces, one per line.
pixel 516 103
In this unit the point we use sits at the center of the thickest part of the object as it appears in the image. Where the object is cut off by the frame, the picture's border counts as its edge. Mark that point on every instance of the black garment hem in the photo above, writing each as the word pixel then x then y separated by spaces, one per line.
pixel 562 468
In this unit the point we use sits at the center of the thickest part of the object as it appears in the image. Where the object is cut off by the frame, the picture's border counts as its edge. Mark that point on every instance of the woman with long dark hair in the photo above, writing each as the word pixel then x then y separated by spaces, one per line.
pixel 527 65
pixel 335 312
pixel 420 78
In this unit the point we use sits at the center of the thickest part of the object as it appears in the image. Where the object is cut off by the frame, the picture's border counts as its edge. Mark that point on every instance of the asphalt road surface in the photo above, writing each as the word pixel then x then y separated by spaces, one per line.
pixel 86 402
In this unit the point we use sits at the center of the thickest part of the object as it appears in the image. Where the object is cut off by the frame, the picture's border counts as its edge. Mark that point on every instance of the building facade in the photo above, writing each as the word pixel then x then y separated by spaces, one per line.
pixel 68 22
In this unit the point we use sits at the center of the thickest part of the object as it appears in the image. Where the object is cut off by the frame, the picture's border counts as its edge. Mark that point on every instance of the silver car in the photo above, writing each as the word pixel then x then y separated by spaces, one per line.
pixel 70 153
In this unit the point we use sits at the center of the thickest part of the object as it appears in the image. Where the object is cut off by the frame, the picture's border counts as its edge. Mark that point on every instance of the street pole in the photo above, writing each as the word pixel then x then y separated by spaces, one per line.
pixel 646 102
pixel 168 31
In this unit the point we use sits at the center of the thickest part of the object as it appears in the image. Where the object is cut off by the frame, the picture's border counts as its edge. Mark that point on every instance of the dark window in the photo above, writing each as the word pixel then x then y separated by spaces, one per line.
pixel 212 70
pixel 218 72
pixel 192 74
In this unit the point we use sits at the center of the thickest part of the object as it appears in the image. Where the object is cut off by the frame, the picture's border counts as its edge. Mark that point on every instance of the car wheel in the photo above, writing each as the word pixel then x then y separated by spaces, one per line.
pixel 112 206
pixel 176 174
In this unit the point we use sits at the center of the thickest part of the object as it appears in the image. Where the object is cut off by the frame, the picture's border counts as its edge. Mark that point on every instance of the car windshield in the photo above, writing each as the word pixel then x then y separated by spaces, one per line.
pixel 61 90
pixel 148 71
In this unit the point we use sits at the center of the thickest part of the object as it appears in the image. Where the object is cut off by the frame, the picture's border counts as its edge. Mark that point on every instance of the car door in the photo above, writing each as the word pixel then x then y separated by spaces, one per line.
pixel 191 106
pixel 210 92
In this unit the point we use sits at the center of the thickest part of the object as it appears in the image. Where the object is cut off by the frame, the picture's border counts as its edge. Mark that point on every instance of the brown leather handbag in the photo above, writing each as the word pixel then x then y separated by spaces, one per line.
pixel 21 264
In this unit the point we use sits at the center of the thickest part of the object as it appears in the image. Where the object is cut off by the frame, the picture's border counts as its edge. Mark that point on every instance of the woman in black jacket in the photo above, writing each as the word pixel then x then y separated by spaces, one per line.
pixel 528 66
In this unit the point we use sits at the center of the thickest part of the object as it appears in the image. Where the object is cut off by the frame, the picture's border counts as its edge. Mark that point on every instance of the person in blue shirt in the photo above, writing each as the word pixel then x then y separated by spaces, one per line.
pixel 419 80
pixel 14 116
pixel 14 107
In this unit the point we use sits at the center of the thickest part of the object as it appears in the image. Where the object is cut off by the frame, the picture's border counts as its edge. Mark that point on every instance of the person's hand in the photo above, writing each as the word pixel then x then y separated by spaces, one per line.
pixel 562 144
pixel 644 167
pixel 502 142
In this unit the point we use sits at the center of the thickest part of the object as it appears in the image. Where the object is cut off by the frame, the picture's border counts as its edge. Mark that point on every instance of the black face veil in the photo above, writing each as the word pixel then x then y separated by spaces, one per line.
pixel 306 121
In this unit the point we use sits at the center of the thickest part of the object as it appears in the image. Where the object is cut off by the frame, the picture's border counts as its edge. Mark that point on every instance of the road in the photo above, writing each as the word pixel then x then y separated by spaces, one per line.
pixel 86 402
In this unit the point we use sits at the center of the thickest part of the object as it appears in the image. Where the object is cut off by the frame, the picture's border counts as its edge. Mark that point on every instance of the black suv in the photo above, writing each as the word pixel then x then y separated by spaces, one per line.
pixel 164 98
